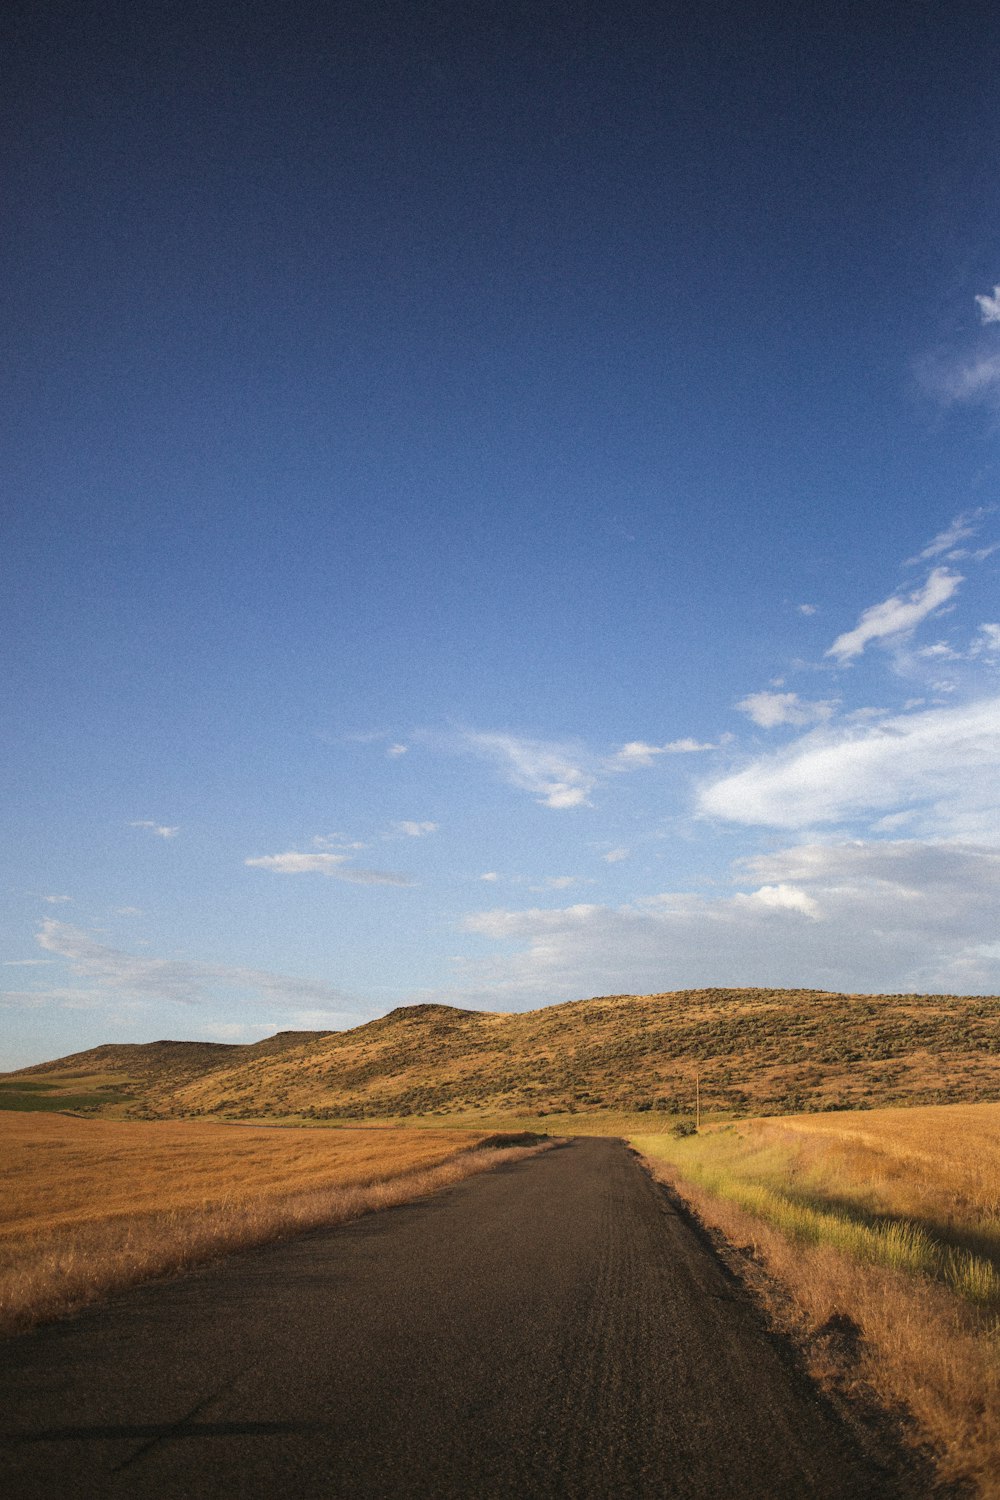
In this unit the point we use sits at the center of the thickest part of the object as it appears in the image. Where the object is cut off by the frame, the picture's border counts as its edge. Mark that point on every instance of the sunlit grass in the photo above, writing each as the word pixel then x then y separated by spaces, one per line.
pixel 810 1198
pixel 885 1220
pixel 88 1206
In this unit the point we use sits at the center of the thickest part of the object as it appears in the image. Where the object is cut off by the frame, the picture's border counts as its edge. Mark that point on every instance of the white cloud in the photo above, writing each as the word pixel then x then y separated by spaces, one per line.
pixel 295 863
pixel 181 981
pixel 989 307
pixel 161 830
pixel 637 753
pixel 943 761
pixel 557 775
pixel 807 609
pixel 896 616
pixel 26 963
pixel 490 875
pixel 397 750
pixel 57 900
pixel 770 709
pixel 938 651
pixel 868 917
pixel 415 830
pixel 780 897
pixel 614 856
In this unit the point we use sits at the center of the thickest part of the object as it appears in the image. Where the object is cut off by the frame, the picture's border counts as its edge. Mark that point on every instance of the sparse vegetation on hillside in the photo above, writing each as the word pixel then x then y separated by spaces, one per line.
pixel 756 1052
pixel 87 1206
pixel 885 1228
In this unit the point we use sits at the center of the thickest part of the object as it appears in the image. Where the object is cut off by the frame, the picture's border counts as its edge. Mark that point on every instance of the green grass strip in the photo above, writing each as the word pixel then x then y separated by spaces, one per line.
pixel 897 1244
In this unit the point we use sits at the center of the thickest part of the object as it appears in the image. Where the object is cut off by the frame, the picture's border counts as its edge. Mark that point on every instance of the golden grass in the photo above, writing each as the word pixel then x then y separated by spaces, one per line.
pixel 883 1222
pixel 945 1158
pixel 88 1207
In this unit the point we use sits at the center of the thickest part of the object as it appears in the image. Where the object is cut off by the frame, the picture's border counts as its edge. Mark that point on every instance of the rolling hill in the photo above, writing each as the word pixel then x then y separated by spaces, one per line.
pixel 755 1051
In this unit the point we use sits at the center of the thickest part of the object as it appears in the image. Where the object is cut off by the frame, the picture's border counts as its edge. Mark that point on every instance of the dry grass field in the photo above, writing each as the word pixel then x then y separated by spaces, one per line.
pixel 755 1051
pixel 87 1206
pixel 884 1227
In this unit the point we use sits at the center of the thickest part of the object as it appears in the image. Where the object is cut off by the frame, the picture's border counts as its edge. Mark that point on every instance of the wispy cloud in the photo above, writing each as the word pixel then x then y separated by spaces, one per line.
pixel 983 647
pixel 771 709
pixel 557 775
pixel 986 641
pixel 295 862
pixel 942 766
pixel 413 830
pixel 637 753
pixel 615 856
pixel 393 747
pixel 949 540
pixel 160 830
pixel 563 775
pixel 971 375
pixel 114 973
pixel 896 617
pixel 974 380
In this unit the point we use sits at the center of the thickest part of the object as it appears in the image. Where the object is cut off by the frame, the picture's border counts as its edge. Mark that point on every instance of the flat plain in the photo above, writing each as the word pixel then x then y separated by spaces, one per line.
pixel 550 1329
pixel 87 1206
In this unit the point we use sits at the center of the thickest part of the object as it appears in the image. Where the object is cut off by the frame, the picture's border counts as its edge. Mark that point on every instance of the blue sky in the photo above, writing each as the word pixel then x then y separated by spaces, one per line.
pixel 500 505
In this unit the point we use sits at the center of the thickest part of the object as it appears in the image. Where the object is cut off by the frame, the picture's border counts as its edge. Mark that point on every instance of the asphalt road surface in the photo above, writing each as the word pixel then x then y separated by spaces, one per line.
pixel 552 1328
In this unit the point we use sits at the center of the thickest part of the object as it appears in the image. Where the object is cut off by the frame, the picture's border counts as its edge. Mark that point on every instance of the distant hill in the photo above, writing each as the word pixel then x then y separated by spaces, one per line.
pixel 755 1051
pixel 132 1072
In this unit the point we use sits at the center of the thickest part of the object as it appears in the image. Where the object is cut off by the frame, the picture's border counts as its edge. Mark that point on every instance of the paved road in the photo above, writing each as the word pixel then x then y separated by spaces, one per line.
pixel 550 1329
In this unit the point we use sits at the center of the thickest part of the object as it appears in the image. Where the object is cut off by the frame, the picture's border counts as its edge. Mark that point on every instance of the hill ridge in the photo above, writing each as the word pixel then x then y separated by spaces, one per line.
pixel 755 1050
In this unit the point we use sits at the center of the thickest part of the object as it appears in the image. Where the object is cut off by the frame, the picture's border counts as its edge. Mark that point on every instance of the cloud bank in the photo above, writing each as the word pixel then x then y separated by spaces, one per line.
pixel 897 916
